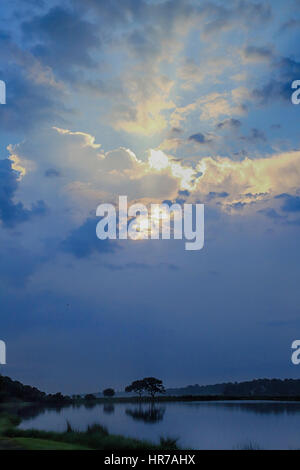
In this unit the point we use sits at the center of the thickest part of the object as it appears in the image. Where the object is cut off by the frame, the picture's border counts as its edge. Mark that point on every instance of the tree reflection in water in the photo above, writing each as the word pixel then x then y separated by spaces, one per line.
pixel 151 414
pixel 109 408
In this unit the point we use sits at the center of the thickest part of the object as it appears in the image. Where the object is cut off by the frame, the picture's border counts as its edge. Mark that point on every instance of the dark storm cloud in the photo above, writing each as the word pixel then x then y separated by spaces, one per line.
pixel 64 40
pixel 83 241
pixel 29 101
pixel 12 213
pixel 285 71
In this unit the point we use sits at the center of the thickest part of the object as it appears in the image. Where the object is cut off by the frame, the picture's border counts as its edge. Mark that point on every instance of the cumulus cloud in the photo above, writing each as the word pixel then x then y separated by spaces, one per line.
pixel 11 212
pixel 263 177
pixel 92 176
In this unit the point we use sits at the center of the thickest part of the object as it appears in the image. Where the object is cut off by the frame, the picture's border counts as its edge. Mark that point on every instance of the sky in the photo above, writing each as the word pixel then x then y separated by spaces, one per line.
pixel 184 101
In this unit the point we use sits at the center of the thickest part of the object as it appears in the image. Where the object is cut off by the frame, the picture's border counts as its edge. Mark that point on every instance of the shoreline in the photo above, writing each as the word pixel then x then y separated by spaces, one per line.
pixel 190 398
pixel 161 399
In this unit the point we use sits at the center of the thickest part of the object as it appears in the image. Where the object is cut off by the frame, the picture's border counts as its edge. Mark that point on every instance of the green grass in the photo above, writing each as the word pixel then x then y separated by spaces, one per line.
pixel 28 443
pixel 8 421
pixel 95 437
pixel 9 444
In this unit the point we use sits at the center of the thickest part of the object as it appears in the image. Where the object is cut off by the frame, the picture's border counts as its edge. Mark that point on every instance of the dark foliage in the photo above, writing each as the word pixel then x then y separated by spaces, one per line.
pixel 108 392
pixel 89 397
pixel 252 388
pixel 150 385
pixel 12 390
pixel 137 386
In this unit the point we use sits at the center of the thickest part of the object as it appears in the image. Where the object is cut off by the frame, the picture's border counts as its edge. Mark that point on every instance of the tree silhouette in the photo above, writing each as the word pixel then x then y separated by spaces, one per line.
pixel 109 408
pixel 153 386
pixel 149 385
pixel 152 414
pixel 108 392
pixel 89 397
pixel 138 386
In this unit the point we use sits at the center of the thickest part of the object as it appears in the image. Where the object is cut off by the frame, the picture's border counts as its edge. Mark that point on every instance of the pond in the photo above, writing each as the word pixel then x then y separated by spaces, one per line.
pixel 197 425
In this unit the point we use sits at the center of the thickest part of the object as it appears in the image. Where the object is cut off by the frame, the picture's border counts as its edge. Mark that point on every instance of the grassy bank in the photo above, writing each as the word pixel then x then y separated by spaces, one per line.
pixel 96 437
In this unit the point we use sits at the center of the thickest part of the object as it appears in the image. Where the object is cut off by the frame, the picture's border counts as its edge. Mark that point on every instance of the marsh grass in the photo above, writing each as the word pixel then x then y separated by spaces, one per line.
pixel 95 437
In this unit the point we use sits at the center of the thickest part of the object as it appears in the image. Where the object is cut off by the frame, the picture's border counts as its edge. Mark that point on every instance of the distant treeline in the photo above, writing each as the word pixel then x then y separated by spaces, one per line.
pixel 12 390
pixel 257 387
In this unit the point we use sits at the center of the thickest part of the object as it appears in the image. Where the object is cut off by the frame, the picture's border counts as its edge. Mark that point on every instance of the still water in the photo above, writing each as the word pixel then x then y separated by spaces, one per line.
pixel 197 425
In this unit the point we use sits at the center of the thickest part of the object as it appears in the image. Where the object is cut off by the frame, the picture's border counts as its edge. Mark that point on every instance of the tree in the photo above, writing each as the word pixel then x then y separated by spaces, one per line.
pixel 89 397
pixel 150 385
pixel 153 386
pixel 108 392
pixel 138 386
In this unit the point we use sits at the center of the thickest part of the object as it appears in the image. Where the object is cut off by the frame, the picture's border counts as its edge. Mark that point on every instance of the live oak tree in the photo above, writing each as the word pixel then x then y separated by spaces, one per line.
pixel 153 386
pixel 149 385
pixel 137 386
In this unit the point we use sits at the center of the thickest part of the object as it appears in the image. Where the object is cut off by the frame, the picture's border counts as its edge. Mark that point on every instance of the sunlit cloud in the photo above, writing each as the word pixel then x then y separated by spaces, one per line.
pixel 158 160
pixel 94 175
pixel 148 98
pixel 264 177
